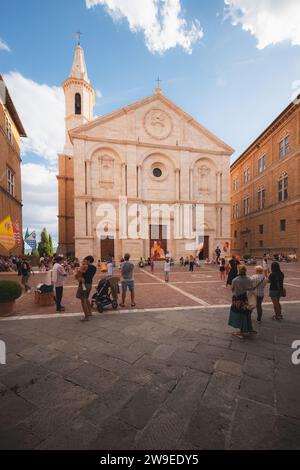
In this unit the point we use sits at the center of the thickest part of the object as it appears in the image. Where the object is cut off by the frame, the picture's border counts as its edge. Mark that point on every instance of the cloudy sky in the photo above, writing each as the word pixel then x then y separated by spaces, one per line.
pixel 232 64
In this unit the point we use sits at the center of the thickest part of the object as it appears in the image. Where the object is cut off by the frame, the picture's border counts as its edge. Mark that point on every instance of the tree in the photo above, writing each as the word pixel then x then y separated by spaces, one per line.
pixel 44 245
pixel 51 249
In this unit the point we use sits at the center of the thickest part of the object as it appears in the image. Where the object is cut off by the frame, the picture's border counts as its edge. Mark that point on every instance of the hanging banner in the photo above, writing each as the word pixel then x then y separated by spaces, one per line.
pixel 7 236
pixel 17 233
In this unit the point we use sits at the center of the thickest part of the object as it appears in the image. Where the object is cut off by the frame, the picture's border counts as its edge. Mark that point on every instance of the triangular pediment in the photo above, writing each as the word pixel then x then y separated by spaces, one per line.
pixel 154 119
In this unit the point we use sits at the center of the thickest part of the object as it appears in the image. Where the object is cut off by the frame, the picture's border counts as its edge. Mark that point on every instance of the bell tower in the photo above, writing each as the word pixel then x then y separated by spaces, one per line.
pixel 79 107
pixel 79 96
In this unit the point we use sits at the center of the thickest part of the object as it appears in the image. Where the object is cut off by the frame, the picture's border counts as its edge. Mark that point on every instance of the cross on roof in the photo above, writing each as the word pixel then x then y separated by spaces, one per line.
pixel 78 35
pixel 158 80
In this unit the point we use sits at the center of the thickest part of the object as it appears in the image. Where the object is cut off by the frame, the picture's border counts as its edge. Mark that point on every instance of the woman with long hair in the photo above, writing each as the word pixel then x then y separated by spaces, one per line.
pixel 233 265
pixel 240 313
pixel 277 290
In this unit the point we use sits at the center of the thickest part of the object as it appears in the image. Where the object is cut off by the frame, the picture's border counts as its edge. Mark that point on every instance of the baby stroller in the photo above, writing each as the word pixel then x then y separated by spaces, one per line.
pixel 106 293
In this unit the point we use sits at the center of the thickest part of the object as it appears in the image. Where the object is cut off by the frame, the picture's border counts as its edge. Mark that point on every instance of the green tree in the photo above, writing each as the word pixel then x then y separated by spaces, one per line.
pixel 51 249
pixel 44 246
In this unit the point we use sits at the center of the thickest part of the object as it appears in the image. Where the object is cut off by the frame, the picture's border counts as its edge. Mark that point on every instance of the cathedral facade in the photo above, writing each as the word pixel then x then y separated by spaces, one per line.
pixel 135 180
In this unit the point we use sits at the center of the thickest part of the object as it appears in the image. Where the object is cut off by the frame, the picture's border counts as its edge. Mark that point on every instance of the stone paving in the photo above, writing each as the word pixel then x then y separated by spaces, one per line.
pixel 153 380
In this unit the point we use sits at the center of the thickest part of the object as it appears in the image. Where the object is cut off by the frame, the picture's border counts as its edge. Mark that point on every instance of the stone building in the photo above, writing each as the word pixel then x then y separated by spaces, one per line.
pixel 11 129
pixel 115 167
pixel 265 190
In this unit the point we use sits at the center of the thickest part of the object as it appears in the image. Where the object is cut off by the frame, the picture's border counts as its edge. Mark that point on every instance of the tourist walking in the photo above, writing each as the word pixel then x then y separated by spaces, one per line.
pixel 259 282
pixel 110 267
pixel 152 265
pixel 25 273
pixel 167 269
pixel 277 290
pixel 218 254
pixel 222 269
pixel 192 263
pixel 127 280
pixel 85 275
pixel 59 275
pixel 240 314
pixel 233 272
pixel 265 266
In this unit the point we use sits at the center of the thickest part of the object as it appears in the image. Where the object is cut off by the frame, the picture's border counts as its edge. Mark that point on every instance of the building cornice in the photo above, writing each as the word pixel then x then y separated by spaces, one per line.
pixel 267 133
pixel 89 198
pixel 137 143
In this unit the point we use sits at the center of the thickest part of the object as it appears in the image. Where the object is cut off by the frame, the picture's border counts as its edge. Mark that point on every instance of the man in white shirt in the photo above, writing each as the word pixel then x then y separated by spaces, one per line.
pixel 110 268
pixel 58 280
pixel 167 269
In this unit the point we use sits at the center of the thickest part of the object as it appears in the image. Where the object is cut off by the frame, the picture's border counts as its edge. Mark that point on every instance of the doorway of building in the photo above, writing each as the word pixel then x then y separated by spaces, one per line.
pixel 204 254
pixel 107 248
pixel 158 241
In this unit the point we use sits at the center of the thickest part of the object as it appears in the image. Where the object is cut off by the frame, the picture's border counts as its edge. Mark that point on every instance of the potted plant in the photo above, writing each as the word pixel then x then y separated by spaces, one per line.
pixel 9 292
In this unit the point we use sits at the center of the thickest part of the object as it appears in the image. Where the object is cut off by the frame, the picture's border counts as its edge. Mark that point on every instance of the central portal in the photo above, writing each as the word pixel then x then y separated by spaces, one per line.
pixel 158 241
pixel 107 248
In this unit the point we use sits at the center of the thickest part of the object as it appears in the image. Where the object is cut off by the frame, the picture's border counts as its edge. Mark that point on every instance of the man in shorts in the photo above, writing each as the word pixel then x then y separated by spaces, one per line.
pixel 127 280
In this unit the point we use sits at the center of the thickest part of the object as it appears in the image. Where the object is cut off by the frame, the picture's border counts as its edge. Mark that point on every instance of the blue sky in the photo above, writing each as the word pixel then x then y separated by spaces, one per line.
pixel 232 80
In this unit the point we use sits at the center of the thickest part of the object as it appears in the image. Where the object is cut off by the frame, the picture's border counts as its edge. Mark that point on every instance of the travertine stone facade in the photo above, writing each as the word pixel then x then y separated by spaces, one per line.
pixel 149 152
pixel 273 161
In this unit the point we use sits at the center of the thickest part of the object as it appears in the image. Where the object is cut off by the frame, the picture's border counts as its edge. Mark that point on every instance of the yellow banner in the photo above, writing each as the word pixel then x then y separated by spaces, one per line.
pixel 7 236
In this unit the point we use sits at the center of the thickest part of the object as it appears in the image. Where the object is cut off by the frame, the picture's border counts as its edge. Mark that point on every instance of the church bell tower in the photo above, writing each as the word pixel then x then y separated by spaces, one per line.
pixel 79 96
pixel 79 107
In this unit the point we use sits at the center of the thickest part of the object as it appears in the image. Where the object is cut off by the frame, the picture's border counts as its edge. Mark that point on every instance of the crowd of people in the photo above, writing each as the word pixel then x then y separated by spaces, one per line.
pixel 247 292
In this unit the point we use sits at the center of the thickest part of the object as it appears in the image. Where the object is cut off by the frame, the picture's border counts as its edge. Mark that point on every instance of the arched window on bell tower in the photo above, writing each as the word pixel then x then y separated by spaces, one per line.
pixel 78 103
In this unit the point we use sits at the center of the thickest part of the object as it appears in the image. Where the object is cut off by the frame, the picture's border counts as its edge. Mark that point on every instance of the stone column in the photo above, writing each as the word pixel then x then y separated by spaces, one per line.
pixel 177 184
pixel 218 185
pixel 191 181
pixel 139 175
pixel 123 177
pixel 221 186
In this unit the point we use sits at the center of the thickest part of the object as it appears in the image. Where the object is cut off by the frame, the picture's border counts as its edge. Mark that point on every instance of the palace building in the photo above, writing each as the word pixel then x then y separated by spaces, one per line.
pixel 114 168
pixel 11 129
pixel 265 190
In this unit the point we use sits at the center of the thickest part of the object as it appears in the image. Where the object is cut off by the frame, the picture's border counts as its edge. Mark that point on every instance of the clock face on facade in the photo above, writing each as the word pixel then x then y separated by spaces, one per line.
pixel 158 124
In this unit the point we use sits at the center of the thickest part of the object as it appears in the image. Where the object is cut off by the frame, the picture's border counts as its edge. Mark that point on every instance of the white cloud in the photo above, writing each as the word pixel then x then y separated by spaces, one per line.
pixel 98 93
pixel 270 21
pixel 4 46
pixel 42 110
pixel 162 22
pixel 40 202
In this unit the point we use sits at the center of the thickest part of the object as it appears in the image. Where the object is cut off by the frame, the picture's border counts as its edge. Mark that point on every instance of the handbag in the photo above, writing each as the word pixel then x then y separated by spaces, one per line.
pixel 251 296
pixel 251 300
pixel 282 291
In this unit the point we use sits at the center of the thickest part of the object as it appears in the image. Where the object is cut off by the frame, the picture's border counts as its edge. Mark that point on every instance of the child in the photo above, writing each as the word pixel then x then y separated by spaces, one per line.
pixel 78 275
pixel 167 269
